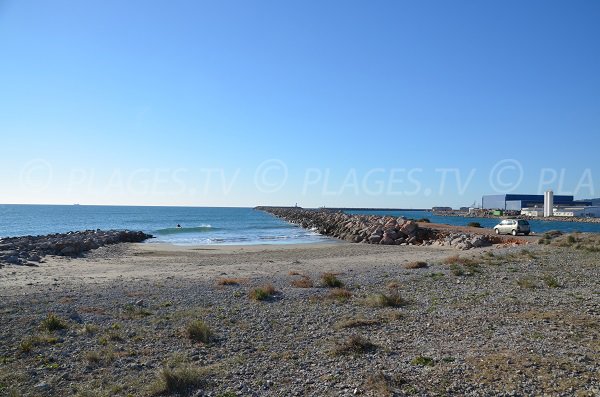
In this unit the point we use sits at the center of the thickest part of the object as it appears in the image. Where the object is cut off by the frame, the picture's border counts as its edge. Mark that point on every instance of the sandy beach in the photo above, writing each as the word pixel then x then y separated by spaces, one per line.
pixel 120 321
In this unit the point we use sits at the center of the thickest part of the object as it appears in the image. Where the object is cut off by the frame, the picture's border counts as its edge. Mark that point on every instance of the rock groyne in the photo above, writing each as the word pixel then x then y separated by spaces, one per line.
pixel 374 229
pixel 29 250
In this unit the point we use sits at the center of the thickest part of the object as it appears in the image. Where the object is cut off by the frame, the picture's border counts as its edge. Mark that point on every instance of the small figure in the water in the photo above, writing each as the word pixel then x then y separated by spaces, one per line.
pixel 178 226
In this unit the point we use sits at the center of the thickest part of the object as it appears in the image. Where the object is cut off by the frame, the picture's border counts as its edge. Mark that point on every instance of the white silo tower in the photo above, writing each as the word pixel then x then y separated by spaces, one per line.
pixel 549 203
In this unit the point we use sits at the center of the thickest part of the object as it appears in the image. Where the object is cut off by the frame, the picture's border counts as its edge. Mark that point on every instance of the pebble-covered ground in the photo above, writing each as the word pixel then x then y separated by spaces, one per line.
pixel 509 322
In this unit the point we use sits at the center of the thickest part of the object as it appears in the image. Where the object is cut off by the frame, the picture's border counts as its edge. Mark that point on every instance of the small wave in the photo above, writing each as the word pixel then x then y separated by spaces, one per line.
pixel 181 230
pixel 274 237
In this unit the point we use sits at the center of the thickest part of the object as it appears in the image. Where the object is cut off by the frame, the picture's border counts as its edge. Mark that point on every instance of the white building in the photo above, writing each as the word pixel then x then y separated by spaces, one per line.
pixel 579 212
pixel 532 211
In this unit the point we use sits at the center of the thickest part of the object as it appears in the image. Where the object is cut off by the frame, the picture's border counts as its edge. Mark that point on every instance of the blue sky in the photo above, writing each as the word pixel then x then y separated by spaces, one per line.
pixel 336 103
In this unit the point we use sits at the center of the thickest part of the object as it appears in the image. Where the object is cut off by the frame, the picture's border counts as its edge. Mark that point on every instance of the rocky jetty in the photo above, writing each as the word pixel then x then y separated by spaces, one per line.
pixel 29 250
pixel 374 229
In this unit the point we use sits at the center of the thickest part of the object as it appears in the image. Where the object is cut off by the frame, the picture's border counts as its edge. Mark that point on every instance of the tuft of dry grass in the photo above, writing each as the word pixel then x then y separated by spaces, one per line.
pixel 416 265
pixel 198 331
pixel 356 322
pixel 423 361
pixel 355 344
pixel 27 344
pixel 383 385
pixel 229 281
pixel 263 293
pixel 93 357
pixel 53 323
pixel 550 281
pixel 527 283
pixel 384 300
pixel 458 260
pixel 304 282
pixel 330 280
pixel 181 380
pixel 340 294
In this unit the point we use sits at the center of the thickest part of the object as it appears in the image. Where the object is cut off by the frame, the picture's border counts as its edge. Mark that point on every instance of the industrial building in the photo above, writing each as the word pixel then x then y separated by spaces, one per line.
pixel 516 202
pixel 579 212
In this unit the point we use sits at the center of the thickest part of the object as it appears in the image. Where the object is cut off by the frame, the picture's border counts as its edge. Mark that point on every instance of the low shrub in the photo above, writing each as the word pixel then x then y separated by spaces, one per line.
pixel 229 281
pixel 423 361
pixel 331 281
pixel 198 331
pixel 551 281
pixel 340 294
pixel 356 322
pixel 383 300
pixel 474 224
pixel 304 282
pixel 53 323
pixel 263 293
pixel 182 380
pixel 416 265
pixel 355 344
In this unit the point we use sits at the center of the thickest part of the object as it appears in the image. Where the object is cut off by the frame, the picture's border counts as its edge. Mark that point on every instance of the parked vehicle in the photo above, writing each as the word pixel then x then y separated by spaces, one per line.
pixel 513 226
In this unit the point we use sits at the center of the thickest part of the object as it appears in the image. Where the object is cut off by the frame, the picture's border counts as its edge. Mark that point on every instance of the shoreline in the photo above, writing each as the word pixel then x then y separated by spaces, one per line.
pixel 492 321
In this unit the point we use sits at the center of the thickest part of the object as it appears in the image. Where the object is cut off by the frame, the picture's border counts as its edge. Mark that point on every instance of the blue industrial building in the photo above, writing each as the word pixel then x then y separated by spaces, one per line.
pixel 516 202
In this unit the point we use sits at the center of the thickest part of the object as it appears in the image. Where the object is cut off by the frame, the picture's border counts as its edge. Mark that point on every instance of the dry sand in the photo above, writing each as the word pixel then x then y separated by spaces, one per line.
pixel 154 262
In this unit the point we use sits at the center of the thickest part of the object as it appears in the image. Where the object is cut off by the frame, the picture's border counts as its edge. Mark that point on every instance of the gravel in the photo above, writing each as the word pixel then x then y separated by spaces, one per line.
pixel 484 333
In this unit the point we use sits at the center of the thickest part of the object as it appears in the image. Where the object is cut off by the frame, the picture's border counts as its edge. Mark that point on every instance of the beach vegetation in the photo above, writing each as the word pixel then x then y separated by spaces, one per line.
pixel 198 331
pixel 356 322
pixel 330 280
pixel 304 282
pixel 435 275
pixel 385 300
pixel 88 329
pixel 354 344
pixel 416 265
pixel 340 294
pixel 457 270
pixel 27 344
pixel 93 357
pixel 383 385
pixel 424 220
pixel 527 283
pixel 229 281
pixel 458 260
pixel 54 323
pixel 550 281
pixel 474 224
pixel 423 361
pixel 182 380
pixel 132 311
pixel 263 293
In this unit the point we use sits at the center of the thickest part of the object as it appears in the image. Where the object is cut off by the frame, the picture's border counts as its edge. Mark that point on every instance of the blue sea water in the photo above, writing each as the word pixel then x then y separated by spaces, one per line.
pixel 199 225
pixel 202 225
pixel 536 225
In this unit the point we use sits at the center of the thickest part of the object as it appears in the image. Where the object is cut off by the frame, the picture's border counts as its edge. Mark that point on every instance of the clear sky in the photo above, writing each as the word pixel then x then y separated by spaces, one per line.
pixel 406 104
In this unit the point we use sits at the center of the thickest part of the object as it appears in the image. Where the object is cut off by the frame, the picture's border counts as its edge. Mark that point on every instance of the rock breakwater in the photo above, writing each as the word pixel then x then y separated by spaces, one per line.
pixel 29 250
pixel 374 229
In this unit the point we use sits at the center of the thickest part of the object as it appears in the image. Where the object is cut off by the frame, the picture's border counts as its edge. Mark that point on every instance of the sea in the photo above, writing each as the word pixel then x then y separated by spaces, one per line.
pixel 199 225
pixel 206 226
